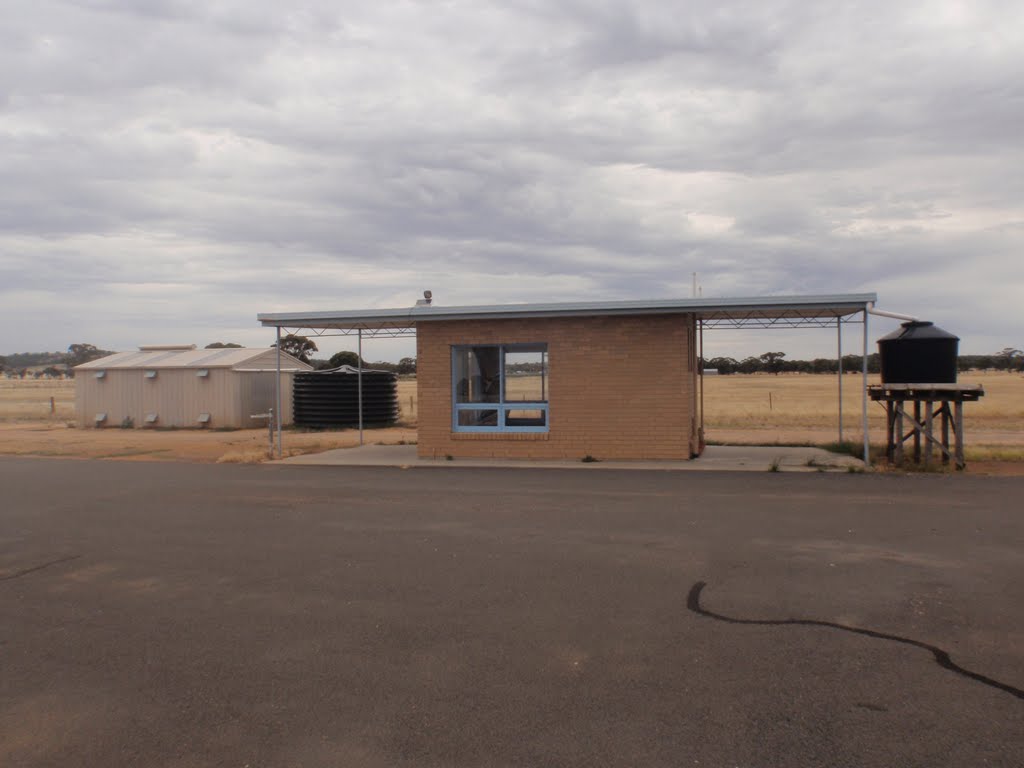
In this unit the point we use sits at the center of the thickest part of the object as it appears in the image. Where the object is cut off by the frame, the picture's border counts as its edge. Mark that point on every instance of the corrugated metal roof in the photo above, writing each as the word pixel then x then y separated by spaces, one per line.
pixel 197 358
pixel 832 305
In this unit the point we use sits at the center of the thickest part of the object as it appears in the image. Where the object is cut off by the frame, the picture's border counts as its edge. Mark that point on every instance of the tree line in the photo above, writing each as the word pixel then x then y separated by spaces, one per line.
pixel 302 348
pixel 58 364
pixel 1009 359
pixel 50 364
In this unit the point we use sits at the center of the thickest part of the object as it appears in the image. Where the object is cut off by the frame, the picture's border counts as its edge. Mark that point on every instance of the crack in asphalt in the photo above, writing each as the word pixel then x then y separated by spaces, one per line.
pixel 33 569
pixel 942 658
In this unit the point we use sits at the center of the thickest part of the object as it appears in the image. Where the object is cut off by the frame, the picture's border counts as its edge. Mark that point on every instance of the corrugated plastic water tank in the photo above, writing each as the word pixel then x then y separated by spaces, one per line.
pixel 918 353
pixel 331 398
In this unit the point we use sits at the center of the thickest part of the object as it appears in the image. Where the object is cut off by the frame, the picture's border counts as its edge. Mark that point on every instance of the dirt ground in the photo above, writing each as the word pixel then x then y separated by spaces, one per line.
pixel 237 446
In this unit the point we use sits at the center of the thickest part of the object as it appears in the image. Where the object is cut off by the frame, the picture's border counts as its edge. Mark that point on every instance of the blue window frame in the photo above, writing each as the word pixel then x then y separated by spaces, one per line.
pixel 500 388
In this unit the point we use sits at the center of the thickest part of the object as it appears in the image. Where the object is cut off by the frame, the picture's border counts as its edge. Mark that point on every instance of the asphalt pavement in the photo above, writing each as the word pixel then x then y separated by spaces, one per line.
pixel 158 614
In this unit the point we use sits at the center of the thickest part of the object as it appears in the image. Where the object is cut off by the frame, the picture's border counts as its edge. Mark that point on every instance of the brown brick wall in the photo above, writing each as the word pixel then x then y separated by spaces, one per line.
pixel 619 388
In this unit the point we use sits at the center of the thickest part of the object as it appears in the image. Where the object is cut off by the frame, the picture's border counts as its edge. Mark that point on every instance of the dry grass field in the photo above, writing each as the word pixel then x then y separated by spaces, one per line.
pixel 804 408
pixel 756 409
pixel 29 401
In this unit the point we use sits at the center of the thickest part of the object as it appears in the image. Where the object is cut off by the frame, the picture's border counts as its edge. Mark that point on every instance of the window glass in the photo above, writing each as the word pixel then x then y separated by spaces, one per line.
pixel 526 376
pixel 478 418
pixel 500 388
pixel 478 375
pixel 526 418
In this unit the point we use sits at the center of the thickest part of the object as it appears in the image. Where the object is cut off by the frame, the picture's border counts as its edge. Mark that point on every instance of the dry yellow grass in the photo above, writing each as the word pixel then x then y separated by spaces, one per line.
pixel 805 407
pixel 407 401
pixel 765 409
pixel 22 401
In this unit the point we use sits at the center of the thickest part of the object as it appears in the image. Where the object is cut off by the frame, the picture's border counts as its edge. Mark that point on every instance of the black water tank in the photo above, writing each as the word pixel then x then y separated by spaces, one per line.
pixel 918 353
pixel 328 399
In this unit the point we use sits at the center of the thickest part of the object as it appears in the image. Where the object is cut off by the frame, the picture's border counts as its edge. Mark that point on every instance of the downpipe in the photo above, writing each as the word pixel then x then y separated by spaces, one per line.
pixel 894 315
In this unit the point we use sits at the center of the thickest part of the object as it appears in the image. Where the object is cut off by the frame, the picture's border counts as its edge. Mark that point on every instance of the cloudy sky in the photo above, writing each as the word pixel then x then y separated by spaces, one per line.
pixel 170 168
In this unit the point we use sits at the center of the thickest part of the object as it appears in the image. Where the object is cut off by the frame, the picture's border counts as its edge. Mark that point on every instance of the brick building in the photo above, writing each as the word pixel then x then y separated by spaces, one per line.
pixel 610 380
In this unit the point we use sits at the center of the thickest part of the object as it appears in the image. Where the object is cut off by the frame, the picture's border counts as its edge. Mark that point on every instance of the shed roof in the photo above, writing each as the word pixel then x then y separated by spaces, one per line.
pixel 734 310
pixel 260 359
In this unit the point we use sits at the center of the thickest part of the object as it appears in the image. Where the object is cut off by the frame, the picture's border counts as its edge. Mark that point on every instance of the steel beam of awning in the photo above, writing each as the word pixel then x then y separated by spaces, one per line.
pixel 778 312
pixel 766 311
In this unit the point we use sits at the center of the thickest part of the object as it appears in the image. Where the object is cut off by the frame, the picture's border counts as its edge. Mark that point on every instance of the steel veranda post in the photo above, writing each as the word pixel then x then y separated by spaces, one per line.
pixel 864 392
pixel 839 351
pixel 700 442
pixel 278 396
pixel 360 385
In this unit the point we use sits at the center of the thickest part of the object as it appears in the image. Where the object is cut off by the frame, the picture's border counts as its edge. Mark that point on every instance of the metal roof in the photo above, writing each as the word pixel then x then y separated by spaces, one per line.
pixel 196 358
pixel 736 312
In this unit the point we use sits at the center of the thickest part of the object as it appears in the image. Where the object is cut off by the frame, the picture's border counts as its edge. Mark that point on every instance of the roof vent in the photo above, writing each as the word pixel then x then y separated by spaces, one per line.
pixel 428 298
pixel 167 347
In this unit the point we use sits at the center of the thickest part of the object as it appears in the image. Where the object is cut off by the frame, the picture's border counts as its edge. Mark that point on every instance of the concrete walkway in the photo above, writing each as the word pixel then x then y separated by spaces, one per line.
pixel 730 458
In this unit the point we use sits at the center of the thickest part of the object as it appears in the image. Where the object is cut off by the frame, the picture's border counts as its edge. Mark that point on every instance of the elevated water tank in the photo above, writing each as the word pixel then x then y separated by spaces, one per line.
pixel 918 352
pixel 328 399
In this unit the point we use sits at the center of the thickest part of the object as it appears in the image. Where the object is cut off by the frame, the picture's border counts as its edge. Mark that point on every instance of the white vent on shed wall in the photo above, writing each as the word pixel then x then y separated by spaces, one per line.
pixel 204 418
pixel 100 374
pixel 203 373
pixel 150 374
pixel 151 418
pixel 100 418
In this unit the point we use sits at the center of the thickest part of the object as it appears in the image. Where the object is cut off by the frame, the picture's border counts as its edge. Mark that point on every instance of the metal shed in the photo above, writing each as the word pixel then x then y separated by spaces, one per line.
pixel 181 386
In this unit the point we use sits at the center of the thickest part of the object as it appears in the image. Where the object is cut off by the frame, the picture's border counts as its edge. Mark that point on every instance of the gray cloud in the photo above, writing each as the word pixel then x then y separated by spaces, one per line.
pixel 171 168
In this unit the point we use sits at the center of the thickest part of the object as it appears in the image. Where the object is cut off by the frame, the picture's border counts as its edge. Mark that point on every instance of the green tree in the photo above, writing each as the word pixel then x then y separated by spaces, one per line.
pixel 83 353
pixel 222 345
pixel 3 363
pixel 750 365
pixel 297 346
pixel 724 365
pixel 772 361
pixel 406 366
pixel 1009 358
pixel 344 358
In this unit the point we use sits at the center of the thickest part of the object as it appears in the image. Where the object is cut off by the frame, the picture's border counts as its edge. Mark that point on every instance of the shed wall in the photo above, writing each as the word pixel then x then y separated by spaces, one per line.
pixel 619 388
pixel 179 396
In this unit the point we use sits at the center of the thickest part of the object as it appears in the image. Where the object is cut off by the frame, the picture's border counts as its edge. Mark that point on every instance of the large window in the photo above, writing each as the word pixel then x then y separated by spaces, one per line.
pixel 500 388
